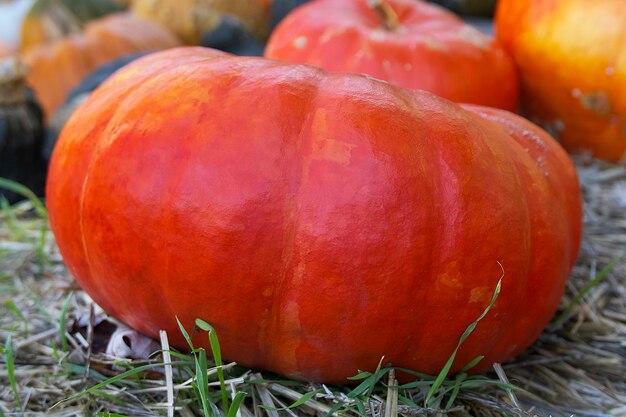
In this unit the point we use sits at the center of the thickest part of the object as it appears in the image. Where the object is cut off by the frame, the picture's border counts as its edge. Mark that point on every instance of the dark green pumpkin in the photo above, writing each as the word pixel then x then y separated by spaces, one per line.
pixel 21 131
pixel 469 7
pixel 84 10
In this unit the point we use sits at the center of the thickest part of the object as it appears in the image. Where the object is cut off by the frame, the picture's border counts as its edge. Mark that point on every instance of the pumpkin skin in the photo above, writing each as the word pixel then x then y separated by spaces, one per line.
pixel 349 212
pixel 78 95
pixel 432 50
pixel 573 69
pixel 58 67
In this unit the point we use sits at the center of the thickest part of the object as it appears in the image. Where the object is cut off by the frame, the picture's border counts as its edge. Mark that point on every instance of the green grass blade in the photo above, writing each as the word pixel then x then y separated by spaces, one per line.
pixel 123 375
pixel 360 406
pixel 40 250
pixel 182 358
pixel 10 364
pixel 13 223
pixel 336 407
pixel 110 398
pixel 11 306
pixel 11 220
pixel 185 334
pixel 446 368
pixel 304 398
pixel 76 369
pixel 217 358
pixel 234 406
pixel 407 401
pixel 442 376
pixel 361 388
pixel 38 303
pixel 416 374
pixel 367 386
pixel 455 390
pixel 473 363
pixel 474 383
pixel 360 375
pixel 15 310
pixel 416 384
pixel 435 402
pixel 62 322
pixel 202 381
pixel 600 276
pixel 18 188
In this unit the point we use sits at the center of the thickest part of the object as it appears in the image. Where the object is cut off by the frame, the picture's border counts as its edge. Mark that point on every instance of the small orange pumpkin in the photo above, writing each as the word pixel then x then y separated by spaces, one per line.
pixel 58 67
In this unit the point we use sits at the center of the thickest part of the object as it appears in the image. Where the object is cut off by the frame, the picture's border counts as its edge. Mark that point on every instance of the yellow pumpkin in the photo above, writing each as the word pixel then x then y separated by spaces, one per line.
pixel 190 19
pixel 50 20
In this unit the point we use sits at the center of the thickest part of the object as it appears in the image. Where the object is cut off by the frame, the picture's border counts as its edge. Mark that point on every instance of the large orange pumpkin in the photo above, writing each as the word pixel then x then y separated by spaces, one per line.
pixel 572 59
pixel 58 67
pixel 319 221
pixel 407 42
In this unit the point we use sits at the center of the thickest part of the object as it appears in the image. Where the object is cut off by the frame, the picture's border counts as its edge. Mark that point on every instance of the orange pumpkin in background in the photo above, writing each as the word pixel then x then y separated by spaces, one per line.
pixel 299 211
pixel 57 67
pixel 572 59
pixel 410 43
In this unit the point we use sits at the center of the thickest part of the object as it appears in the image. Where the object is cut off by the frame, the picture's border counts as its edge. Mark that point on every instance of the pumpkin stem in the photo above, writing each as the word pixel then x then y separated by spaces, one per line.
pixel 388 16
pixel 12 82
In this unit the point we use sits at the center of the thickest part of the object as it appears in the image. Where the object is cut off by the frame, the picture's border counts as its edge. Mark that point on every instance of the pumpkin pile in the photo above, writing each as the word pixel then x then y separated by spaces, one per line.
pixel 334 192
pixel 62 41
